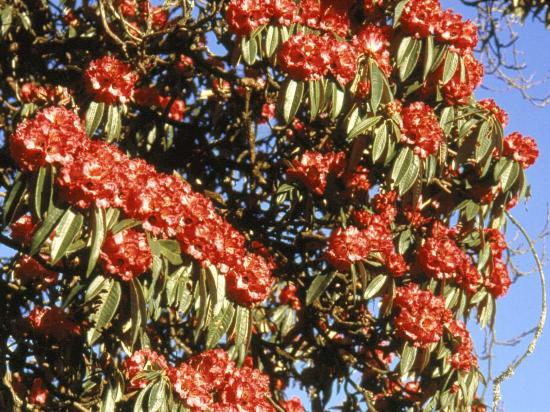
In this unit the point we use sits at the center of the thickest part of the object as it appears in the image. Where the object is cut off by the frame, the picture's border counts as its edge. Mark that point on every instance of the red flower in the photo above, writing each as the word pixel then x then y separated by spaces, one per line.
pixel 334 17
pixel 343 61
pixel 288 297
pixel 374 41
pixel 420 17
pixel 142 360
pixel 305 57
pixel 110 81
pixel 126 254
pixel 452 30
pixel 243 16
pixel 522 149
pixel 498 279
pixel 283 11
pixel 39 394
pixel 268 112
pixel 491 106
pixel 250 282
pixel 54 136
pixel 496 241
pixel 421 129
pixel 29 270
pixel 146 96
pixel 293 405
pixel 52 322
pixel 421 315
pixel 463 357
pixel 358 181
pixel 313 168
pixel 177 108
pixel 191 387
pixel 22 230
pixel 458 92
pixel 185 65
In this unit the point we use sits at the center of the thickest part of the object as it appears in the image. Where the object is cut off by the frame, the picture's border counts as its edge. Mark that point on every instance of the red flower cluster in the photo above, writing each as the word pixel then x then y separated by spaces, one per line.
pixel 374 41
pixel 110 81
pixel 136 13
pixel 421 129
pixel 421 315
pixel 375 241
pixel 313 168
pixel 150 97
pixel 358 181
pixel 140 361
pixel 498 279
pixel 458 92
pixel 463 357
pixel 305 57
pixel 101 174
pixel 451 29
pixel 126 254
pixel 441 258
pixel 288 297
pixel 22 230
pixel 522 149
pixel 210 381
pixel 29 270
pixel 420 17
pixel 54 136
pixel 35 93
pixel 292 405
pixel 491 106
pixel 38 394
pixel 52 322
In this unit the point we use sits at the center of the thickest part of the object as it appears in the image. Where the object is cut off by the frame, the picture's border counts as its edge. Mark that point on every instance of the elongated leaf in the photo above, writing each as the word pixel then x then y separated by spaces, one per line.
pixel 408 356
pixel 97 238
pixel 249 50
pixel 338 100
pixel 14 198
pixel 94 116
pixel 398 10
pixel 171 250
pixel 65 233
pixel 451 64
pixel 293 94
pixel 509 175
pixel 363 126
pixel 106 310
pixel 125 224
pixel 272 40
pixel 95 287
pixel 402 163
pixel 377 85
pixel 138 309
pixel 410 176
pixel 39 181
pixel 111 217
pixel 429 53
pixel 220 325
pixel 379 143
pixel 314 90
pixel 484 141
pixel 375 286
pixel 410 59
pixel 157 397
pixel 113 125
pixel 318 286
pixel 52 219
pixel 5 19
pixel 243 332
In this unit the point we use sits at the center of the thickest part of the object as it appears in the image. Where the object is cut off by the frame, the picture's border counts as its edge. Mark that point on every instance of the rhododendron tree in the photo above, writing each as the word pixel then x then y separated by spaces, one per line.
pixel 214 204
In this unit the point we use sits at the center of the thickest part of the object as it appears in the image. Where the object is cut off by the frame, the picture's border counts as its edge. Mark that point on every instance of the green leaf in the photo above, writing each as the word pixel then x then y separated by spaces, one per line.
pixel 95 287
pixel 65 233
pixel 6 19
pixel 138 405
pixel 272 41
pixel 338 100
pixel 398 10
pixel 97 237
pixel 410 176
pixel 111 217
pixel 220 325
pixel 171 250
pixel 138 309
pixel 408 356
pixel 377 85
pixel 157 397
pixel 318 286
pixel 362 126
pixel 114 124
pixel 94 116
pixel 243 332
pixel 401 164
pixel 53 216
pixel 106 310
pixel 428 56
pixel 125 224
pixel 375 286
pixel 292 93
pixel 14 198
pixel 38 198
pixel 249 50
pixel 451 64
pixel 484 143
pixel 409 57
pixel 509 175
pixel 379 143
pixel 314 98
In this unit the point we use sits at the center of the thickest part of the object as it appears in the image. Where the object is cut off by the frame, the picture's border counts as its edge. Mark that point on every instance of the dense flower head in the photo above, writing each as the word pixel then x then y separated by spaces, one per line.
pixel 30 270
pixel 334 16
pixel 497 280
pixel 294 404
pixel 52 322
pixel 491 106
pixel 313 168
pixel 288 296
pixel 141 360
pixel 496 240
pixel 347 246
pixel 451 29
pixel 38 394
pixel 357 181
pixel 250 282
pixel 457 91
pixel 421 315
pixel 284 12
pixel 54 136
pixel 522 149
pixel 243 16
pixel 343 61
pixel 126 254
pixel 420 17
pixel 305 57
pixel 374 41
pixel 421 129
pixel 191 387
pixel 110 80
pixel 23 229
pixel 36 93
pixel 463 357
